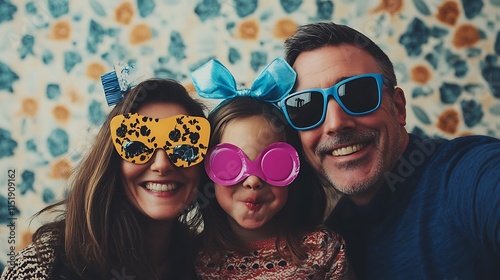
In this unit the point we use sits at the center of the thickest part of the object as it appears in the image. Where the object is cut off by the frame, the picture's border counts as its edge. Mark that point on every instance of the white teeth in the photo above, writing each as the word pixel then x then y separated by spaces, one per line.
pixel 347 150
pixel 161 187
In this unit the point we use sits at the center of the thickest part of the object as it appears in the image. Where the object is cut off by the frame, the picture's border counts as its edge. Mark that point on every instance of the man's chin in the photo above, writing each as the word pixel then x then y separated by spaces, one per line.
pixel 349 185
pixel 351 190
pixel 361 193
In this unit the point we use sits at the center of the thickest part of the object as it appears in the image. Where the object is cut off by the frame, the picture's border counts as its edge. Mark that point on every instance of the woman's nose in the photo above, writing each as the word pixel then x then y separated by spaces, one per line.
pixel 161 162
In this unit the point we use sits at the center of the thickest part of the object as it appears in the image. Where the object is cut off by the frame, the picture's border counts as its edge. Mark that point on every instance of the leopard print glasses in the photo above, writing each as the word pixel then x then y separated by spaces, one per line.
pixel 183 138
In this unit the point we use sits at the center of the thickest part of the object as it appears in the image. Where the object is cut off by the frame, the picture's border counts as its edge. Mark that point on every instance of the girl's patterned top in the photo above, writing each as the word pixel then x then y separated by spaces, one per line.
pixel 325 259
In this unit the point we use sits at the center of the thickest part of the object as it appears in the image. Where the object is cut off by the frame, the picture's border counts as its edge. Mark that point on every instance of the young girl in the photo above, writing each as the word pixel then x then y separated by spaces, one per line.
pixel 263 222
pixel 123 218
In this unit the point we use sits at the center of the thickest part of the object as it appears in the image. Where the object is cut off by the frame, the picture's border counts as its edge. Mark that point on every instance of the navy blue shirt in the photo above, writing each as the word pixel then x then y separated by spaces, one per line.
pixel 436 217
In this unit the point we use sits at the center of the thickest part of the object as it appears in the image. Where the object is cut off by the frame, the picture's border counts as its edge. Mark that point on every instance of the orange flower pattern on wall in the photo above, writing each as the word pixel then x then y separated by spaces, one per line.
pixel 448 12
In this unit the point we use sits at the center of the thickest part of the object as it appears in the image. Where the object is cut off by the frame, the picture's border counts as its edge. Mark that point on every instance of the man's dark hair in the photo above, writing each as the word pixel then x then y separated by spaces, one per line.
pixel 316 35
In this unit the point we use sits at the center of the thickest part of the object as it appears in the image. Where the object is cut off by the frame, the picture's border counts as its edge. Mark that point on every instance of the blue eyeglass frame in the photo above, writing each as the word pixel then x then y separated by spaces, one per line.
pixel 333 91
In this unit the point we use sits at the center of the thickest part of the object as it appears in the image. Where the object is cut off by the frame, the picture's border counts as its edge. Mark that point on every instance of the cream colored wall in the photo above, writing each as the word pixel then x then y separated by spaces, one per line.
pixel 53 53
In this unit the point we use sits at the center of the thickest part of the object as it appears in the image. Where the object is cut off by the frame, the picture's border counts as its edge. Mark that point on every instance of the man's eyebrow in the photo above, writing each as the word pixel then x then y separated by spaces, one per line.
pixel 338 80
pixel 342 78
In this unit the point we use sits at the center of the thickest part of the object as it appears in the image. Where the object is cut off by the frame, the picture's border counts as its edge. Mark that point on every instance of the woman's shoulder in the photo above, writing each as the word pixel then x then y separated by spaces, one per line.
pixel 34 261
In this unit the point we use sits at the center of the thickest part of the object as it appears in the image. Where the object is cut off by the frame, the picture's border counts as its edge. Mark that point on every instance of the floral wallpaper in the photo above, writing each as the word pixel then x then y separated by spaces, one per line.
pixel 54 51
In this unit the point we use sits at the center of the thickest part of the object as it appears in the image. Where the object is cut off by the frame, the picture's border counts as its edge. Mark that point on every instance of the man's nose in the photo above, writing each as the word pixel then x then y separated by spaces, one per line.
pixel 336 119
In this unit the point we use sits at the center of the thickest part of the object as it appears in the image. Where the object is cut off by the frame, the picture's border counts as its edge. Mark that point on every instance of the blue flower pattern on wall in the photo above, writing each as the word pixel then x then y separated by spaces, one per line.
pixel 446 56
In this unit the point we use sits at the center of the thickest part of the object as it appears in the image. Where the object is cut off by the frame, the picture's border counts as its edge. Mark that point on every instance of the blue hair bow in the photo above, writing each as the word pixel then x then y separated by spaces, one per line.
pixel 213 80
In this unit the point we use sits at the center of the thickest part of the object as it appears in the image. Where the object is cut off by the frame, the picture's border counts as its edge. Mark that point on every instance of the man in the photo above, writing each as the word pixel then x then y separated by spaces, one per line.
pixel 413 208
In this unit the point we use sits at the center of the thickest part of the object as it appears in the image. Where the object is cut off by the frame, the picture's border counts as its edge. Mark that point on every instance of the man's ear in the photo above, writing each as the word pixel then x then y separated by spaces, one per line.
pixel 400 105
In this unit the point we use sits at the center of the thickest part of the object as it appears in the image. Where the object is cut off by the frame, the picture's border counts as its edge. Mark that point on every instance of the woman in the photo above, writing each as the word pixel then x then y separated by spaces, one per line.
pixel 125 215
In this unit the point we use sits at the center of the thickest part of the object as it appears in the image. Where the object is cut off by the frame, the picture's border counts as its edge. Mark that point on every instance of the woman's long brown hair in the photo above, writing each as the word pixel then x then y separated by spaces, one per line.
pixel 99 232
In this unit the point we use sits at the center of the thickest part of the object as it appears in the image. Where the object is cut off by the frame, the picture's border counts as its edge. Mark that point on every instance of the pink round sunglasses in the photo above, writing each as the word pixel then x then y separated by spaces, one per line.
pixel 278 164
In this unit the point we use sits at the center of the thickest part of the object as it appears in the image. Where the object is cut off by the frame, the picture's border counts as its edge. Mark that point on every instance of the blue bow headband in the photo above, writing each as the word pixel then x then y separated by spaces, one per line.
pixel 213 80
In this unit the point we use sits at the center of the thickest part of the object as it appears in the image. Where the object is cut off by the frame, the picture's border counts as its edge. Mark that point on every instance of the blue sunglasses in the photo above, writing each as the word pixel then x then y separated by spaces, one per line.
pixel 358 95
